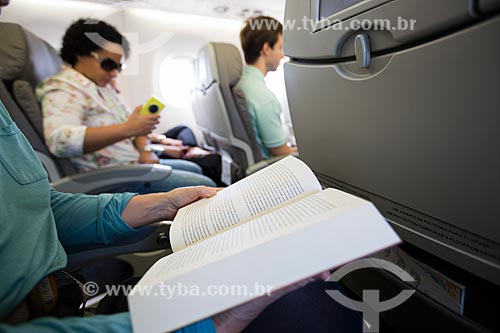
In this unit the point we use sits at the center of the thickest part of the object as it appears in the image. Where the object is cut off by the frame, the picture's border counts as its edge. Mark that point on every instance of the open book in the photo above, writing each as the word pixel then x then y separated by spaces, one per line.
pixel 265 232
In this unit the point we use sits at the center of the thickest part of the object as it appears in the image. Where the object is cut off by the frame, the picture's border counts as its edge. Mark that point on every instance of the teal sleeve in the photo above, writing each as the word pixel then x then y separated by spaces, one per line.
pixel 82 218
pixel 268 117
pixel 116 323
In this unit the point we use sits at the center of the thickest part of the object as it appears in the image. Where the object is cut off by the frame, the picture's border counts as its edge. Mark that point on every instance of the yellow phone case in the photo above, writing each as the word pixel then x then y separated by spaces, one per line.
pixel 152 106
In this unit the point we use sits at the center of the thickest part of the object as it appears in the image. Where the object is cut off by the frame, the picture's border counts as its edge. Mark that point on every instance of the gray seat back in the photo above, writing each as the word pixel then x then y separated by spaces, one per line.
pixel 220 109
pixel 25 60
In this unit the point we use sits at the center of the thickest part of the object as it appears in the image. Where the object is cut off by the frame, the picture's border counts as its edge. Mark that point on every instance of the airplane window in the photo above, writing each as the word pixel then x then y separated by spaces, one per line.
pixel 276 83
pixel 176 81
pixel 275 80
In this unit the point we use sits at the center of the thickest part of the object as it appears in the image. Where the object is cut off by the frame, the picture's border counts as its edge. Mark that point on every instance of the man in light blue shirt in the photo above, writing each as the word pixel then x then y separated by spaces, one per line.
pixel 262 43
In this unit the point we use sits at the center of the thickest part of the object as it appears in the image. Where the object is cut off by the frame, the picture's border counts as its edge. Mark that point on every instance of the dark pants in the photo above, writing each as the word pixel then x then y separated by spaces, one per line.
pixel 305 310
pixel 308 309
pixel 211 164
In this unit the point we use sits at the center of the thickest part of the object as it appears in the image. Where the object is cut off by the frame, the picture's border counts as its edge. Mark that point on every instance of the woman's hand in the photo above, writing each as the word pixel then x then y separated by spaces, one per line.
pixel 138 125
pixel 181 197
pixel 160 138
pixel 196 152
pixel 175 151
pixel 171 142
pixel 148 208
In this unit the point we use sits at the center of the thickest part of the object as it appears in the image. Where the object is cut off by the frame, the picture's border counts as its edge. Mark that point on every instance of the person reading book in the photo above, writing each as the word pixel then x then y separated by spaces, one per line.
pixel 38 222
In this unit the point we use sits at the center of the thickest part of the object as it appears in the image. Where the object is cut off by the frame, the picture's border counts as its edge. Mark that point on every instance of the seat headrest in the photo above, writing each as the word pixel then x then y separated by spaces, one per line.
pixel 229 63
pixel 219 67
pixel 219 62
pixel 13 53
pixel 24 56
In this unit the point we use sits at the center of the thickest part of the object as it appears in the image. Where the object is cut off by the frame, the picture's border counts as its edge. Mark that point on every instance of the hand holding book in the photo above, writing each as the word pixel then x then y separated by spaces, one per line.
pixel 273 228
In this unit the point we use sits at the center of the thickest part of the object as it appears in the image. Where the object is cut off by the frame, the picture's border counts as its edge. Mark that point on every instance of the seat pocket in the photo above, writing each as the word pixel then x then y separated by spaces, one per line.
pixel 18 158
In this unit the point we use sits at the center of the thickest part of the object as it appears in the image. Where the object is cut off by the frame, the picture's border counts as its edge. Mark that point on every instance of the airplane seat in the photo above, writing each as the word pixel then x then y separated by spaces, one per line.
pixel 221 110
pixel 25 60
pixel 15 73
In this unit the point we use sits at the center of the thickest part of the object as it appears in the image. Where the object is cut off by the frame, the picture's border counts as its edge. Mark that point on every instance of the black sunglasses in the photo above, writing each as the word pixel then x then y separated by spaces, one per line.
pixel 108 64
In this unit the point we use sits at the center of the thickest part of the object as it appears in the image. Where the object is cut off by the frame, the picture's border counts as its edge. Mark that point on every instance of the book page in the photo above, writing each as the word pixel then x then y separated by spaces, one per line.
pixel 267 226
pixel 278 184
pixel 299 214
pixel 288 244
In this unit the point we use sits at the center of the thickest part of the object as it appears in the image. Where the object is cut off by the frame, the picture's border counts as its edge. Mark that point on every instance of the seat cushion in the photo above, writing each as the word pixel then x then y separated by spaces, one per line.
pixel 241 106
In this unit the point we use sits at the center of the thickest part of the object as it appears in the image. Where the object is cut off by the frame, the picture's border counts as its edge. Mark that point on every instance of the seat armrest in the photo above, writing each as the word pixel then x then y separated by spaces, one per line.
pixel 150 238
pixel 264 163
pixel 108 178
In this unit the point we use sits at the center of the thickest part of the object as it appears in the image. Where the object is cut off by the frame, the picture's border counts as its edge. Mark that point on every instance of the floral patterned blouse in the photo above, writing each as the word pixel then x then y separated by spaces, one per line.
pixel 71 103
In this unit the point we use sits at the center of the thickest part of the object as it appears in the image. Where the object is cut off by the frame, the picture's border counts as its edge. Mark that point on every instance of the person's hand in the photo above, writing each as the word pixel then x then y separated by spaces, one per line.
pixel 175 151
pixel 180 197
pixel 196 152
pixel 171 142
pixel 144 209
pixel 148 157
pixel 236 319
pixel 160 138
pixel 138 125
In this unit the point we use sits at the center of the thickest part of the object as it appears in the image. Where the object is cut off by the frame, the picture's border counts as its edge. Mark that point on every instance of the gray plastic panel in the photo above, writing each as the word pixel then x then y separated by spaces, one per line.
pixel 420 129
pixel 215 112
pixel 152 237
pixel 431 17
pixel 200 113
pixel 110 178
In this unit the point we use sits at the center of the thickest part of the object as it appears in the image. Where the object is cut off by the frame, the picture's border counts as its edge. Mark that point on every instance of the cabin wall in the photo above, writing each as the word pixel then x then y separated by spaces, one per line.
pixel 163 35
pixel 49 19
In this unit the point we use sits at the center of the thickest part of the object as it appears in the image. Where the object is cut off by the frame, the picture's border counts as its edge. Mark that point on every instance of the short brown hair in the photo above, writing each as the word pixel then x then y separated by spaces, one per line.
pixel 256 32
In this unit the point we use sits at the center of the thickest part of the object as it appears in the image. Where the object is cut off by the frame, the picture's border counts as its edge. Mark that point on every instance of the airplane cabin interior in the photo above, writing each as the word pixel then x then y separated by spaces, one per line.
pixel 394 101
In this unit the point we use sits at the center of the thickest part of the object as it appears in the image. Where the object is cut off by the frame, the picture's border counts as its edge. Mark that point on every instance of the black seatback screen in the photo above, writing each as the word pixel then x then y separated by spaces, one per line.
pixel 330 7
